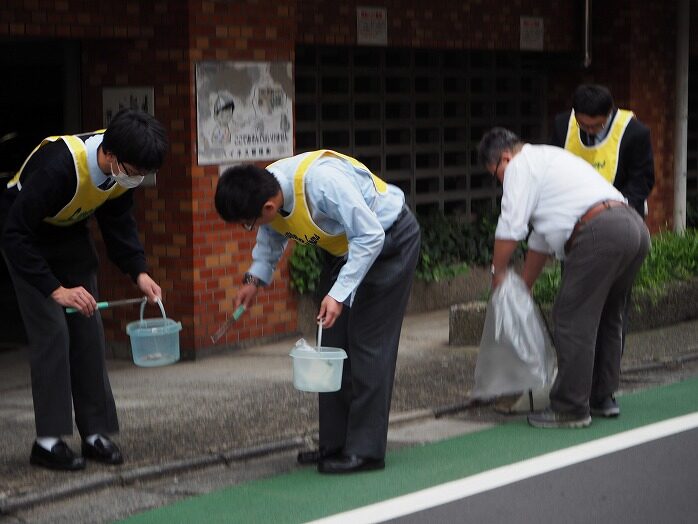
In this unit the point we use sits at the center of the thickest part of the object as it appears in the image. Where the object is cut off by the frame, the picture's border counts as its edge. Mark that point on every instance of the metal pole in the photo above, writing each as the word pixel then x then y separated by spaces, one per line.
pixel 681 130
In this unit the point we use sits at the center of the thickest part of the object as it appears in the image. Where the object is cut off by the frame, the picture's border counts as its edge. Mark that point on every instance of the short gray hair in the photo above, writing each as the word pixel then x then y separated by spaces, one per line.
pixel 494 143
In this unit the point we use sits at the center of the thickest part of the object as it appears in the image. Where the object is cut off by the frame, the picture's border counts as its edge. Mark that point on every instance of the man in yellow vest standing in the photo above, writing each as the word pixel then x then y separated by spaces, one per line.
pixel 612 140
pixel 618 146
pixel 53 265
pixel 371 241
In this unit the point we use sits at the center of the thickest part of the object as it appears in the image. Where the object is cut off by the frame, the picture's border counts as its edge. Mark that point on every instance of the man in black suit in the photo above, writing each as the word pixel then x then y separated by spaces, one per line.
pixel 618 145
pixel 612 140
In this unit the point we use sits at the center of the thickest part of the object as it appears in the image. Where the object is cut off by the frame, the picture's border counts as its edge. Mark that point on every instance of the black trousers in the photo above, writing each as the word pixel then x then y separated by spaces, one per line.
pixel 67 359
pixel 355 418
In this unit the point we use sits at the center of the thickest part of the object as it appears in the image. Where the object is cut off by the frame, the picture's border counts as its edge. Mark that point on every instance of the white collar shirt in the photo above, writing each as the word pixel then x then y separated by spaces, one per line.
pixel 549 189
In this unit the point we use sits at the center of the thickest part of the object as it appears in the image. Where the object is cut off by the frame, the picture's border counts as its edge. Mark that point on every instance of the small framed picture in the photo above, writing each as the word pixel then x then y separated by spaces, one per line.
pixel 114 99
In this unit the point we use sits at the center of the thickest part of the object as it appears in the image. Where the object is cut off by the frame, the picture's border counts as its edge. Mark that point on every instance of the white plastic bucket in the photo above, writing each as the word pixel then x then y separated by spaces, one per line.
pixel 318 371
pixel 154 341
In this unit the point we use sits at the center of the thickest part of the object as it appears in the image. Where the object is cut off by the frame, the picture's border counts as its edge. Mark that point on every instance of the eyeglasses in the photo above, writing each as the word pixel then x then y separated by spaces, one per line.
pixel 249 226
pixel 142 173
pixel 592 125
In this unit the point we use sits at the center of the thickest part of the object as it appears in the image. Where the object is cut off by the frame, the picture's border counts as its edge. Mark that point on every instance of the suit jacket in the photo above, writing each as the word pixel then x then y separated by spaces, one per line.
pixel 635 173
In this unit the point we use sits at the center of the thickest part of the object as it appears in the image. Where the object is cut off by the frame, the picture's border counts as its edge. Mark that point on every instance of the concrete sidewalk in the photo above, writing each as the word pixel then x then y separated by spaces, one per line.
pixel 242 404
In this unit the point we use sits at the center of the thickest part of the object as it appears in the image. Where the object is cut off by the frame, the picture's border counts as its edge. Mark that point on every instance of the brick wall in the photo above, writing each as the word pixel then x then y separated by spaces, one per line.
pixel 133 43
pixel 442 24
pixel 198 259
pixel 245 31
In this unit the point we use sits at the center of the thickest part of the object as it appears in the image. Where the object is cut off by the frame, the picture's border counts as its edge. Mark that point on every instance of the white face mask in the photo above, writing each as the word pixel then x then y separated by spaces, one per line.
pixel 129 182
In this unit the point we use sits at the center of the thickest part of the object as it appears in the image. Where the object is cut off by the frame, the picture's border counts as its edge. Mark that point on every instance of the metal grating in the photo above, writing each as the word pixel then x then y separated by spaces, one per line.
pixel 415 116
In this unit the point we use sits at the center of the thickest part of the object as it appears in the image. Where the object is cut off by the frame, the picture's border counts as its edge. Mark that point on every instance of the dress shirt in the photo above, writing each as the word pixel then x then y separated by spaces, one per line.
pixel 549 188
pixel 342 199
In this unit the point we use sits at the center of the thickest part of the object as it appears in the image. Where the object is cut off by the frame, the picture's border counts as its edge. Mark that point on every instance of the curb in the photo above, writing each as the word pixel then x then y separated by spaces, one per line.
pixel 667 362
pixel 12 504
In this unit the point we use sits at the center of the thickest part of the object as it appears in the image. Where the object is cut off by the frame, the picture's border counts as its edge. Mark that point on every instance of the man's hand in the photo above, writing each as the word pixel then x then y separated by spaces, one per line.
pixel 149 288
pixel 76 297
pixel 330 310
pixel 503 249
pixel 498 278
pixel 246 295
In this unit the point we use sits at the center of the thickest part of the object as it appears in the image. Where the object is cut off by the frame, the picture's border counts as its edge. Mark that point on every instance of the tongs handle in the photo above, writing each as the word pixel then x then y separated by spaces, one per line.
pixel 226 325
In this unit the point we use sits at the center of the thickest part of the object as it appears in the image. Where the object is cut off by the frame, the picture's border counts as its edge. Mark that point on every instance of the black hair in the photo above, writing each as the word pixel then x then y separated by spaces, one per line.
pixel 242 192
pixel 135 137
pixel 494 143
pixel 592 100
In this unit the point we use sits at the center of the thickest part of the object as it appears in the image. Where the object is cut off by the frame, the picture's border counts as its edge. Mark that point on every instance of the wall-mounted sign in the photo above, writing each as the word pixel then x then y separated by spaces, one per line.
pixel 531 33
pixel 114 99
pixel 244 111
pixel 371 26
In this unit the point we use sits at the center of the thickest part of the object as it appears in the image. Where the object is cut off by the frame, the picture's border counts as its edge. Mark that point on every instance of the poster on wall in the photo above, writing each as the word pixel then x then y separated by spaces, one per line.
pixel 243 111
pixel 114 99
pixel 531 33
pixel 371 26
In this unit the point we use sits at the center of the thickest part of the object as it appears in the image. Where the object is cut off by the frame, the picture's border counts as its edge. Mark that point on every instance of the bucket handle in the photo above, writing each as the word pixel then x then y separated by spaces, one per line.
pixel 159 303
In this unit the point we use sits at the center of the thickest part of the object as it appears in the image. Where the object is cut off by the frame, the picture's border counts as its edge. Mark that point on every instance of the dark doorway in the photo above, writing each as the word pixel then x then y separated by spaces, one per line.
pixel 39 97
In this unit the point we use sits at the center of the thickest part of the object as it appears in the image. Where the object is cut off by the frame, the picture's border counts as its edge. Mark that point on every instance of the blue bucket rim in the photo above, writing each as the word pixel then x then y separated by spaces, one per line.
pixel 139 328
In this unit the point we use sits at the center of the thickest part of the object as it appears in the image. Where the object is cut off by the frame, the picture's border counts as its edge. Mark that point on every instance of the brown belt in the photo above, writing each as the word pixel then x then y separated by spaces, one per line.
pixel 591 213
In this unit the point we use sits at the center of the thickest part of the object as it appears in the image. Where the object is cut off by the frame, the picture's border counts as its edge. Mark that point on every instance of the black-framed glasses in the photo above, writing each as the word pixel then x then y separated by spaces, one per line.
pixel 249 226
pixel 593 125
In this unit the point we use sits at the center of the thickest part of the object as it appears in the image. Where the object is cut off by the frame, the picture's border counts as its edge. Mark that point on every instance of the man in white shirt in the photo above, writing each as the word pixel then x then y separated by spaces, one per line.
pixel 578 217
pixel 371 240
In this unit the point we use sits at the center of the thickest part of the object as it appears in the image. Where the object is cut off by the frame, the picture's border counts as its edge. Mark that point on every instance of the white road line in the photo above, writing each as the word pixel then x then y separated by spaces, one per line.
pixel 495 478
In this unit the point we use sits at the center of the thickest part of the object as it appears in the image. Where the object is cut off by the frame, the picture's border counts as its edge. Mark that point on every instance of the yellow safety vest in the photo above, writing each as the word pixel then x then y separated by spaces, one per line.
pixel 87 198
pixel 603 156
pixel 299 225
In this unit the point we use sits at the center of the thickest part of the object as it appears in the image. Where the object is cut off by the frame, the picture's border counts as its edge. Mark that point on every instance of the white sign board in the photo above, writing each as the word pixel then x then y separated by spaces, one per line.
pixel 114 99
pixel 531 33
pixel 244 111
pixel 371 26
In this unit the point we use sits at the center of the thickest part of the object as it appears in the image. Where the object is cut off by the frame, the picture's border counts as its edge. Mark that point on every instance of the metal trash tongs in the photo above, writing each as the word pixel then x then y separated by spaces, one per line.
pixel 226 325
pixel 112 303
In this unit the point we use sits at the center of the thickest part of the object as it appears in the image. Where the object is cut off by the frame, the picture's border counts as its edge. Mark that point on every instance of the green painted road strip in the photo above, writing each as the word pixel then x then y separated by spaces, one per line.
pixel 306 495
pixel 456 490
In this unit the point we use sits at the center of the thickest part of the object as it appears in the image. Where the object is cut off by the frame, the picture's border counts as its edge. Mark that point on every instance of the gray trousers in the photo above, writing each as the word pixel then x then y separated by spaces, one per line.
pixel 67 359
pixel 600 269
pixel 355 418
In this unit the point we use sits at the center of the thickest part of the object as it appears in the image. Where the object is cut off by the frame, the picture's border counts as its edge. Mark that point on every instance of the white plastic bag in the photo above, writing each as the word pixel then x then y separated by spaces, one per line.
pixel 515 353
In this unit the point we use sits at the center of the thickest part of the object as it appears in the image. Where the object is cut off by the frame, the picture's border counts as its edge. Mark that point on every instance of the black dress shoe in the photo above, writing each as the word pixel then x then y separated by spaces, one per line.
pixel 60 457
pixel 103 450
pixel 316 455
pixel 349 464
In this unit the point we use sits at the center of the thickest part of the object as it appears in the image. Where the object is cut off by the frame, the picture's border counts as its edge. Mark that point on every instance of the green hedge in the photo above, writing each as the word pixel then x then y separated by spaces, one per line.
pixel 450 244
pixel 673 256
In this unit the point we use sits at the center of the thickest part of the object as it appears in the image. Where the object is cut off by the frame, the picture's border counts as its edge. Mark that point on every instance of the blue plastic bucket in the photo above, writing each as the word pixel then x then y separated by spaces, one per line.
pixel 154 341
